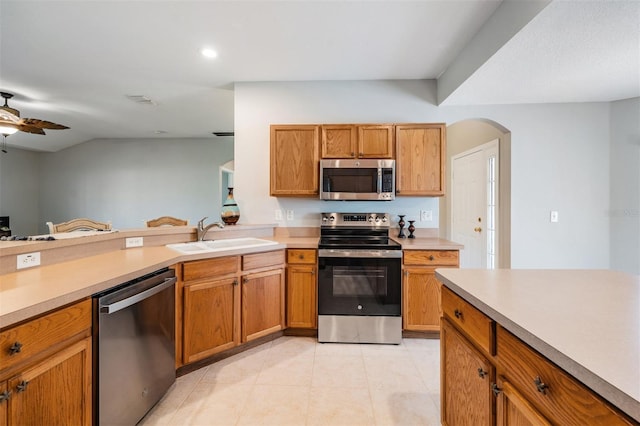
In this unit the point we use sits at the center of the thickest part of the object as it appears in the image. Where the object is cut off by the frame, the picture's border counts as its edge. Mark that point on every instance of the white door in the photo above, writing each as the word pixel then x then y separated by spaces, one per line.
pixel 474 176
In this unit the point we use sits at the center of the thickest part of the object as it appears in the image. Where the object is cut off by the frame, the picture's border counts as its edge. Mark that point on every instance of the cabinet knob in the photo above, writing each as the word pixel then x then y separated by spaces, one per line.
pixel 540 385
pixel 15 348
pixel 495 389
pixel 301 256
pixel 245 280
pixel 478 229
pixel 353 154
pixel 431 258
pixel 361 154
pixel 235 282
pixel 482 373
pixel 458 313
pixel 313 272
pixel 22 386
pixel 5 395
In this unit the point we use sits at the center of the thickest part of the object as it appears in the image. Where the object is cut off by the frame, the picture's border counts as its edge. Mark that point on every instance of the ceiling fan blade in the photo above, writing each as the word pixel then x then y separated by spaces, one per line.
pixel 42 124
pixel 30 129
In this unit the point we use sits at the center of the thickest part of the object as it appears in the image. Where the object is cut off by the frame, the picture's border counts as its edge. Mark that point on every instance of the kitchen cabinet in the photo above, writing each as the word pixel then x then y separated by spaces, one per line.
pixel 263 295
pixel 229 300
pixel 357 141
pixel 295 160
pixel 421 290
pixel 210 307
pixel 420 154
pixel 466 381
pixel 487 369
pixel 301 285
pixel 555 394
pixel 46 373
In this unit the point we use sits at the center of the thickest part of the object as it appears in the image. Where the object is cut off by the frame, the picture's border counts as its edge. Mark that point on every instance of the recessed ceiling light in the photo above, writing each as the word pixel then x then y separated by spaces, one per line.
pixel 209 53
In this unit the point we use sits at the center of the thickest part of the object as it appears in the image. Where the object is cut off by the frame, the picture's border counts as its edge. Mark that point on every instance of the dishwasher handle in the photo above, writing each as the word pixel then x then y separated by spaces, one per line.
pixel 124 303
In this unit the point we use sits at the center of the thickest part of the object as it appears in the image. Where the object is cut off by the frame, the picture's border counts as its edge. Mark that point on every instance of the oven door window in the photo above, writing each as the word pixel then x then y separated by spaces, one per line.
pixel 365 286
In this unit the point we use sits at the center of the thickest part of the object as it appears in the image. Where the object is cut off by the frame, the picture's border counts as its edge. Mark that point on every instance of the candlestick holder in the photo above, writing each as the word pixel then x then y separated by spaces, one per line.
pixel 401 225
pixel 411 229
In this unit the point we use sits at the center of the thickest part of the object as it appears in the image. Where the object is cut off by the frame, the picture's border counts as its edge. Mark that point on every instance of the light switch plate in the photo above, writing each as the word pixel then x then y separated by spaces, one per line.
pixel 553 216
pixel 289 214
pixel 426 215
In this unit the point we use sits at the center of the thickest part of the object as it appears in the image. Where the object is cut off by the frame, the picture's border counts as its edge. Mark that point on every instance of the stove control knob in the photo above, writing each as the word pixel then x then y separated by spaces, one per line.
pixel 324 219
pixel 384 219
pixel 332 218
pixel 359 307
pixel 370 218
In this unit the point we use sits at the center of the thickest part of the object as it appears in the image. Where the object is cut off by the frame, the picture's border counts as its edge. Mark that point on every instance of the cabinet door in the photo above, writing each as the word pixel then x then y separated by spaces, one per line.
pixel 4 402
pixel 295 160
pixel 420 159
pixel 301 296
pixel 512 409
pixel 375 141
pixel 421 299
pixel 339 141
pixel 211 318
pixel 466 378
pixel 56 391
pixel 262 304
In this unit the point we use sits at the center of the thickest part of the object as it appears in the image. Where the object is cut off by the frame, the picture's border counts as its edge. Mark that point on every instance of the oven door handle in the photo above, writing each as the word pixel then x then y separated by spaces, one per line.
pixel 386 254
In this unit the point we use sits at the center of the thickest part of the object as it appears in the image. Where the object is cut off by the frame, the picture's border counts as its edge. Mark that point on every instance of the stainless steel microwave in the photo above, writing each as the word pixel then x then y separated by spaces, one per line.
pixel 365 179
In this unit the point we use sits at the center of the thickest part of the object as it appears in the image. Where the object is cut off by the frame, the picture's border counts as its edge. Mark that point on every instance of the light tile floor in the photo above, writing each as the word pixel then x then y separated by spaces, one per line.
pixel 297 381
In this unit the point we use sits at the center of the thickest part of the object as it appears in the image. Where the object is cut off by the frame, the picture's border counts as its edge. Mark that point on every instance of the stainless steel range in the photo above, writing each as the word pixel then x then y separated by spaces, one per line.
pixel 359 280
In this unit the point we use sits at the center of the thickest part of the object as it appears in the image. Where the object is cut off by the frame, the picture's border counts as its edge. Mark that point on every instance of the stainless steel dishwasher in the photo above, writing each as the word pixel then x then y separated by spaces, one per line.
pixel 133 347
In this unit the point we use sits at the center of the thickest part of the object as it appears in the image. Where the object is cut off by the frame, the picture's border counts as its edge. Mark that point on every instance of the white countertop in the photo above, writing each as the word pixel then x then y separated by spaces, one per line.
pixel 585 321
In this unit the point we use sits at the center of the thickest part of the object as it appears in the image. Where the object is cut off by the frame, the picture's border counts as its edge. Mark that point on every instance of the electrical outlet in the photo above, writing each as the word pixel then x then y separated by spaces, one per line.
pixel 133 242
pixel 278 214
pixel 28 260
pixel 426 215
pixel 289 214
pixel 553 216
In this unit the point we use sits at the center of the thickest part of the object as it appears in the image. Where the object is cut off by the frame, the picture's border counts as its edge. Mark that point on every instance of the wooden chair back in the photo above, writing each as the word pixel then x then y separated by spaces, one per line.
pixel 78 225
pixel 166 220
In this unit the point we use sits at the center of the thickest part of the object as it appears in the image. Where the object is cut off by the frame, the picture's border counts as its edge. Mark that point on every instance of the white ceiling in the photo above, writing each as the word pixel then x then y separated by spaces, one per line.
pixel 74 62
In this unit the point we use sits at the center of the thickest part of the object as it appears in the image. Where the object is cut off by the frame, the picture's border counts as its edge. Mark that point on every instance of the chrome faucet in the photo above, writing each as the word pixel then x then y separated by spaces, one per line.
pixel 202 230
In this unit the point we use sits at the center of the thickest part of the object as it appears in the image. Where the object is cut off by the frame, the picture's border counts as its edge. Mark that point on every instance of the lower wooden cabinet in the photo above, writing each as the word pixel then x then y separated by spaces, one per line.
pixel 302 304
pixel 486 369
pixel 262 304
pixel 512 409
pixel 466 379
pixel 228 300
pixel 421 310
pixel 211 318
pixel 52 384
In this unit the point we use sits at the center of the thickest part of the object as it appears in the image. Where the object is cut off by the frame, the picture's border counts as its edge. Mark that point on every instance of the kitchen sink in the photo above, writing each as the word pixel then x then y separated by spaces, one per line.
pixel 219 245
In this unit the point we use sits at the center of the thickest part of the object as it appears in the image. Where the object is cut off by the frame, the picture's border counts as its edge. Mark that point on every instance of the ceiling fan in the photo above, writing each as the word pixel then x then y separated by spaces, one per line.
pixel 10 121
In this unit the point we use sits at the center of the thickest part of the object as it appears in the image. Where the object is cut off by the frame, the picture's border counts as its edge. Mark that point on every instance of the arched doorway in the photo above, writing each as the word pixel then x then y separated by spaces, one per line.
pixel 465 136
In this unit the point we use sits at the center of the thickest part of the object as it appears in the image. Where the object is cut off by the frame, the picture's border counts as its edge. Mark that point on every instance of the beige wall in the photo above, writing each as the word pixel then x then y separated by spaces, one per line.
pixel 463 136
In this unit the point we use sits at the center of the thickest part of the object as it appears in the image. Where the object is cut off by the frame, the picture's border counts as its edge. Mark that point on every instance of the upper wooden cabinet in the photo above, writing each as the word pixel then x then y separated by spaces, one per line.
pixel 357 141
pixel 295 160
pixel 420 152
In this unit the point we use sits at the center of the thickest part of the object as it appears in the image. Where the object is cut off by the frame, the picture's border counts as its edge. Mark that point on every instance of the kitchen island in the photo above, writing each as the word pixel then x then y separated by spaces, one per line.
pixel 586 322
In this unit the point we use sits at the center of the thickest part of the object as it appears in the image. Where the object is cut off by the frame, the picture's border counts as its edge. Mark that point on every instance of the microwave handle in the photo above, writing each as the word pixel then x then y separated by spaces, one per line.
pixel 379 180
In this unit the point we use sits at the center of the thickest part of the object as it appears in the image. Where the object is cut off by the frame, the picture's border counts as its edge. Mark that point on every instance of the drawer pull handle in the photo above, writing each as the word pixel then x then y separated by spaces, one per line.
pixel 495 389
pixel 5 395
pixel 540 385
pixel 22 386
pixel 482 373
pixel 458 313
pixel 15 348
pixel 431 258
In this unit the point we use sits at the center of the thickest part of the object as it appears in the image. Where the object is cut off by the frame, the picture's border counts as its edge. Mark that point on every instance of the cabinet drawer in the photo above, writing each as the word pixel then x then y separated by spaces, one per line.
pixel 476 325
pixel 42 333
pixel 303 256
pixel 431 257
pixel 561 398
pixel 262 260
pixel 207 268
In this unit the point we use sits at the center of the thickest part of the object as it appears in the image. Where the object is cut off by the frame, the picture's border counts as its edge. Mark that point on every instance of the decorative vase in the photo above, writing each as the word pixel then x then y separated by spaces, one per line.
pixel 230 211
pixel 401 225
pixel 411 229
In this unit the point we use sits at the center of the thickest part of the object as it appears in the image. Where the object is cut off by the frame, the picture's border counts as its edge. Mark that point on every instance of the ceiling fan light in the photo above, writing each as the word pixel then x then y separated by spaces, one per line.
pixel 8 129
